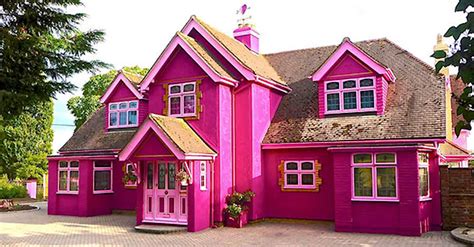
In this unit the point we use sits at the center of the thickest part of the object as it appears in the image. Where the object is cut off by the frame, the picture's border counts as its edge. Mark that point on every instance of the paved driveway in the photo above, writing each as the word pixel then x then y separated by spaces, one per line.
pixel 37 228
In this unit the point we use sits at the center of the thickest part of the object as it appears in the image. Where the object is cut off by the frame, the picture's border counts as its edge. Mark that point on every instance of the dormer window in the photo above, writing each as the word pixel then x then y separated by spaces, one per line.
pixel 350 95
pixel 182 99
pixel 123 114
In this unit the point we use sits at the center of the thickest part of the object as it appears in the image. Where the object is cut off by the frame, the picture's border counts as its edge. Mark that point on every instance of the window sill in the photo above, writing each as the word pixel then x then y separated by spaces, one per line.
pixel 66 193
pixel 425 199
pixel 374 200
pixel 103 192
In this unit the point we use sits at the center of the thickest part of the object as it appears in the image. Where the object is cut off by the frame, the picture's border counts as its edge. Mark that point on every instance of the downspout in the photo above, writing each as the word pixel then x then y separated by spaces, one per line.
pixel 211 164
pixel 233 138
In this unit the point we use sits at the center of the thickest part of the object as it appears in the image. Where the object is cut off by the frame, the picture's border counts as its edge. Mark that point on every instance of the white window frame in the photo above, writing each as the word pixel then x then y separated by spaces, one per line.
pixel 111 177
pixel 181 95
pixel 126 110
pixel 299 172
pixel 68 170
pixel 424 165
pixel 203 175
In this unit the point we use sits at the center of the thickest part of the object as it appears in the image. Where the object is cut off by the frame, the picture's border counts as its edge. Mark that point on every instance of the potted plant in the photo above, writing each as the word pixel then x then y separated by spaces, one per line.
pixel 183 177
pixel 130 179
pixel 235 214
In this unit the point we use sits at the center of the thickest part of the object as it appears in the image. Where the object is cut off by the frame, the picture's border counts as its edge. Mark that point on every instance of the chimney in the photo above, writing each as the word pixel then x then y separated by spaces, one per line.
pixel 441 46
pixel 247 36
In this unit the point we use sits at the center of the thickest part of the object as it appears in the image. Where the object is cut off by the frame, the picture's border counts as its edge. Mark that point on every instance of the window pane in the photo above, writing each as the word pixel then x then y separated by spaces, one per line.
pixel 350 101
pixel 362 158
pixel 132 117
pixel 74 163
pixel 292 179
pixel 62 163
pixel 113 119
pixel 332 85
pixel 189 104
pixel 367 99
pixel 292 166
pixel 423 158
pixel 102 163
pixel 349 84
pixel 123 106
pixel 171 176
pixel 307 179
pixel 113 107
pixel 175 89
pixel 130 168
pixel 332 102
pixel 133 104
pixel 423 179
pixel 74 181
pixel 63 180
pixel 149 176
pixel 161 175
pixel 307 166
pixel 386 186
pixel 188 88
pixel 363 181
pixel 366 83
pixel 102 180
pixel 385 158
pixel 123 118
pixel 175 105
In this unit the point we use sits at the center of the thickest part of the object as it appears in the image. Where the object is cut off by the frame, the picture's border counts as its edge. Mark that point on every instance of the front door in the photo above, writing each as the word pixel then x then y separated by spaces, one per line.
pixel 165 198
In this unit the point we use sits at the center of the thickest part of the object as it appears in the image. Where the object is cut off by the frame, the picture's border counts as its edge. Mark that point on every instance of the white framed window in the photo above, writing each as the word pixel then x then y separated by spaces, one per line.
pixel 123 114
pixel 102 176
pixel 374 177
pixel 68 177
pixel 350 95
pixel 423 175
pixel 182 99
pixel 202 175
pixel 299 175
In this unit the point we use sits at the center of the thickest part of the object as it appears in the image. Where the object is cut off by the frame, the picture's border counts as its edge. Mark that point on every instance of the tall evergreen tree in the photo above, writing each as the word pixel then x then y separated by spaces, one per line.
pixel 41 47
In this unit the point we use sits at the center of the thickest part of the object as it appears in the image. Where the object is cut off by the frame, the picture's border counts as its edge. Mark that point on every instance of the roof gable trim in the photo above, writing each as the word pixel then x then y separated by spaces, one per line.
pixel 120 77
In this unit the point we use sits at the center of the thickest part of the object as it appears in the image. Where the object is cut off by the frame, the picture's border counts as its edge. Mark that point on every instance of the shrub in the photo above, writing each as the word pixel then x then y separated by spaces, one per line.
pixel 11 190
pixel 237 202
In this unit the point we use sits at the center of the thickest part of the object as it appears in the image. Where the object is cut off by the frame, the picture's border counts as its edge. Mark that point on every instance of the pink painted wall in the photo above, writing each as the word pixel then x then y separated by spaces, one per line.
pixel 199 204
pixel 299 205
pixel 123 198
pixel 401 217
pixel 247 37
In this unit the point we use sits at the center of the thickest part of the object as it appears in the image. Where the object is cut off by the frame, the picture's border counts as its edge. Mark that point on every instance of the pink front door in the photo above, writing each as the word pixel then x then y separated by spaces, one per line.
pixel 165 198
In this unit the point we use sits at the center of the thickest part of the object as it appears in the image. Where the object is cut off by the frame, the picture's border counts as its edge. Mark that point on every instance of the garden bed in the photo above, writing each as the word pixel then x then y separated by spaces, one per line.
pixel 17 207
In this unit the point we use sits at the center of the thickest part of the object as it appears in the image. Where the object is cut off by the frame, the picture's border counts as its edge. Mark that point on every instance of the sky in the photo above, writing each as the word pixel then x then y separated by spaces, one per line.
pixel 137 31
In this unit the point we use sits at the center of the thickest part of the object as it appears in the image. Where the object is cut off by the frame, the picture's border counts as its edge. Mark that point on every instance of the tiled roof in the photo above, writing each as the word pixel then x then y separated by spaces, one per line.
pixel 135 79
pixel 91 136
pixel 205 55
pixel 448 148
pixel 457 87
pixel 181 134
pixel 255 62
pixel 415 105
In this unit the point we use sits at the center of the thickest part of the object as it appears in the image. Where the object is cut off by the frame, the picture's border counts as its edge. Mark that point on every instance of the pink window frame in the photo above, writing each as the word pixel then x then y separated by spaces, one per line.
pixel 356 89
pixel 427 166
pixel 299 172
pixel 181 95
pixel 122 110
pixel 111 178
pixel 374 165
pixel 68 169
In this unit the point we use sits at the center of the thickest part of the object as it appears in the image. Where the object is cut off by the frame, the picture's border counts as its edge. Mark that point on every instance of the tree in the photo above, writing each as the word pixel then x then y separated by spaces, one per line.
pixel 25 141
pixel 82 107
pixel 41 47
pixel 461 56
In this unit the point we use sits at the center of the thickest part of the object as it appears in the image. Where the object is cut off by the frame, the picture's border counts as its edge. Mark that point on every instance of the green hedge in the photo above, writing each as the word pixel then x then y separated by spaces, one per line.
pixel 11 190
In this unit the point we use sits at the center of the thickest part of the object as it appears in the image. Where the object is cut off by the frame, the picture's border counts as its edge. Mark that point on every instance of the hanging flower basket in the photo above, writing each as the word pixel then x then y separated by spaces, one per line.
pixel 183 177
pixel 130 179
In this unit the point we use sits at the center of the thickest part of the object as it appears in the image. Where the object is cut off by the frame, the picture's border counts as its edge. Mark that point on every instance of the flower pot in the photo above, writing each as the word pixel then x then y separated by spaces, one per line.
pixel 238 222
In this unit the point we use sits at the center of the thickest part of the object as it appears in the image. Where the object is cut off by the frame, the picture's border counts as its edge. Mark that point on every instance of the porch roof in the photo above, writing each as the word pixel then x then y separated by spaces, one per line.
pixel 450 149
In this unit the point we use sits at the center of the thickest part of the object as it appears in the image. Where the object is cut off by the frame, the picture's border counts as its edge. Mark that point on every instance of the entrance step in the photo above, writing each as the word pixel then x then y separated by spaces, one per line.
pixel 160 229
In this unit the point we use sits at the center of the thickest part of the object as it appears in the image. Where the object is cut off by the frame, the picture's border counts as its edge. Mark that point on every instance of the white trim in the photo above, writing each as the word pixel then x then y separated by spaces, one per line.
pixel 111 169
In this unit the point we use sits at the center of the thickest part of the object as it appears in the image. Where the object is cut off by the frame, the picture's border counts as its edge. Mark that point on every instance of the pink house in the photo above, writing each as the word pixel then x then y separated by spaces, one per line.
pixel 352 133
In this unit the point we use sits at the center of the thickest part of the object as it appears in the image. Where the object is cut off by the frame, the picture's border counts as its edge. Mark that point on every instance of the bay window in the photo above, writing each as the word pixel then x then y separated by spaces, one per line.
pixel 374 176
pixel 102 176
pixel 353 95
pixel 182 99
pixel 68 177
pixel 123 114
pixel 423 175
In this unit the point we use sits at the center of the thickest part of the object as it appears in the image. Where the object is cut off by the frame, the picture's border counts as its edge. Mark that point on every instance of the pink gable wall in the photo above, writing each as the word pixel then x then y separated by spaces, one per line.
pixel 151 145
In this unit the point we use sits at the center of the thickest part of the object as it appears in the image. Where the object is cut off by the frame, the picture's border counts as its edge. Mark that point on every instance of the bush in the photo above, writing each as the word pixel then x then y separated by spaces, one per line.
pixel 11 190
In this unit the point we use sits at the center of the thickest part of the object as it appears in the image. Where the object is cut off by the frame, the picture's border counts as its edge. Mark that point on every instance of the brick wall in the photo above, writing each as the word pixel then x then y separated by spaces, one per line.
pixel 457 196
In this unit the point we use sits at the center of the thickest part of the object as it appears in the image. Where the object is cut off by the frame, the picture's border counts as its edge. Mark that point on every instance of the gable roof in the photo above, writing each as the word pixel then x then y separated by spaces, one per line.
pixel 415 104
pixel 130 80
pixel 257 63
pixel 449 149
pixel 175 133
pixel 91 136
